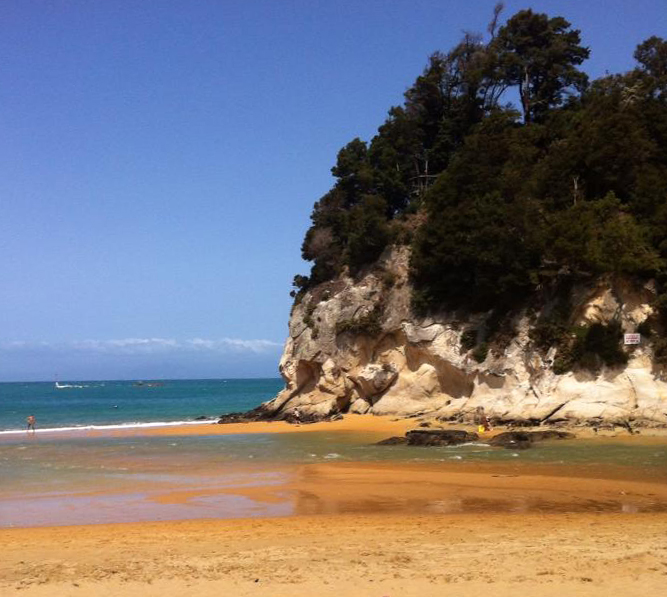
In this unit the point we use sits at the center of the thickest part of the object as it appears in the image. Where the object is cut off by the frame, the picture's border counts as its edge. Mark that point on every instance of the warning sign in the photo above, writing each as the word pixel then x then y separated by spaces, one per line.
pixel 632 338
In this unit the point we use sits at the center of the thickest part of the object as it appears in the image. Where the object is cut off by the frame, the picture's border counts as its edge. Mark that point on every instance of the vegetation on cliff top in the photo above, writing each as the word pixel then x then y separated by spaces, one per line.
pixel 495 201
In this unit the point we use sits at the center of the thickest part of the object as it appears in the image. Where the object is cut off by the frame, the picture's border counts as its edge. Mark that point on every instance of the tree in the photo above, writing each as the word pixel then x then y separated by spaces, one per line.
pixel 476 246
pixel 353 171
pixel 652 56
pixel 495 207
pixel 599 236
pixel 539 55
pixel 368 232
pixel 393 155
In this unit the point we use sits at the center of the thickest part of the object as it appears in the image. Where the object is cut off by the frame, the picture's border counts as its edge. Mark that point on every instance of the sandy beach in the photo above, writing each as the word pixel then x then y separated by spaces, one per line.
pixel 371 528
pixel 368 555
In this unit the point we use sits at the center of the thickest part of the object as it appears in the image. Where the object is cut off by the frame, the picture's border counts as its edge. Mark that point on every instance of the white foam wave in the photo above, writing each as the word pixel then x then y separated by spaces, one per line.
pixel 468 444
pixel 109 427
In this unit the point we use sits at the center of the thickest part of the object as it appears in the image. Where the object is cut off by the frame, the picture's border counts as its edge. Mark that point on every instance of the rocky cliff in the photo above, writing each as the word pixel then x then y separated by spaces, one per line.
pixel 355 346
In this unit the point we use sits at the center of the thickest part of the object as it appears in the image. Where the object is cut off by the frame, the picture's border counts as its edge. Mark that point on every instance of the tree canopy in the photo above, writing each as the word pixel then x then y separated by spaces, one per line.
pixel 494 200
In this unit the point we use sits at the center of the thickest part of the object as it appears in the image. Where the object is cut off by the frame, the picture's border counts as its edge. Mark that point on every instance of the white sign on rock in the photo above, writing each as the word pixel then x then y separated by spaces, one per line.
pixel 632 338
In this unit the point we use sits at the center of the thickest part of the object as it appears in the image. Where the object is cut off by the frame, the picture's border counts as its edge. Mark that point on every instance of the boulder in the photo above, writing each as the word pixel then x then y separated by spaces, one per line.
pixel 439 437
pixel 393 441
pixel 522 440
pixel 373 379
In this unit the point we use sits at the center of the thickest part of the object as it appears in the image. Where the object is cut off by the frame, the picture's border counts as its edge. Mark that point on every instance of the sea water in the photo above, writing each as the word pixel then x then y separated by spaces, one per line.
pixel 77 404
pixel 57 479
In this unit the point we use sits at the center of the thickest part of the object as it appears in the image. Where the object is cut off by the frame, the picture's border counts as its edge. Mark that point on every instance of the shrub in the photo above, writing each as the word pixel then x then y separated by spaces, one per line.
pixel 590 347
pixel 368 324
pixel 644 328
pixel 479 354
pixel 388 279
pixel 469 339
pixel 605 341
pixel 660 350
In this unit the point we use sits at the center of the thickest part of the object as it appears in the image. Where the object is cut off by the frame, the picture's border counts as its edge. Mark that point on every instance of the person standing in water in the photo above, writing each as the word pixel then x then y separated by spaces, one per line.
pixel 31 423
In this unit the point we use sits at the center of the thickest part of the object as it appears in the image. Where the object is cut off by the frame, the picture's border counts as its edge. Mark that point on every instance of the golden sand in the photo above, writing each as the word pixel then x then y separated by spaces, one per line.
pixel 388 555
pixel 360 423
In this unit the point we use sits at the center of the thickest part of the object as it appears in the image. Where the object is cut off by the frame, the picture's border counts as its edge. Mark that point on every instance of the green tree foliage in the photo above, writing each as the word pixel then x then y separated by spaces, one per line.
pixel 476 244
pixel 599 236
pixel 539 55
pixel 652 57
pixel 368 231
pixel 494 204
pixel 592 346
pixel 354 173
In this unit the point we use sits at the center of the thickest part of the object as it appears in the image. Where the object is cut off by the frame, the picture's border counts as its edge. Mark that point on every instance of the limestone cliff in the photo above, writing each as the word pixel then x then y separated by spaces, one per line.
pixel 355 346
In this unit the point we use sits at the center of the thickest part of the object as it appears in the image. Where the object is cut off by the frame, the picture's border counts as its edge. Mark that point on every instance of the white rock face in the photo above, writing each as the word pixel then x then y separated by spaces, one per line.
pixel 419 365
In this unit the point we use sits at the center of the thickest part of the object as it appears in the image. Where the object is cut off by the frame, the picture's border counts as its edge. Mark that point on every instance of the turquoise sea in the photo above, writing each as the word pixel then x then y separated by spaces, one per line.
pixel 76 404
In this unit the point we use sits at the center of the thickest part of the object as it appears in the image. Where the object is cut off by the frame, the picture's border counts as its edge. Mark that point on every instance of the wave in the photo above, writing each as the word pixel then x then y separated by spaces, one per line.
pixel 109 427
pixel 468 444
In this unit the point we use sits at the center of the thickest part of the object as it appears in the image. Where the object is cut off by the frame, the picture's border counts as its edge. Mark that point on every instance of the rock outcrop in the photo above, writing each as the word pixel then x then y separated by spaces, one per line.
pixel 355 346
pixel 521 440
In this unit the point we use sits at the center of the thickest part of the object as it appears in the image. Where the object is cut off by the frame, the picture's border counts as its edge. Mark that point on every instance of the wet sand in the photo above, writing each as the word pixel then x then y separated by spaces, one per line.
pixel 371 528
pixel 477 488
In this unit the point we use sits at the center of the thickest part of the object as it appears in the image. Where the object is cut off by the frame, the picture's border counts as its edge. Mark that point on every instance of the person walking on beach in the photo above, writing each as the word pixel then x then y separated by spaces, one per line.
pixel 31 423
pixel 297 416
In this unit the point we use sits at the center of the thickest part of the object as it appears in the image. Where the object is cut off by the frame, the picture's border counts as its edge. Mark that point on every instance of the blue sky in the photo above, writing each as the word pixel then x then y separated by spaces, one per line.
pixel 159 161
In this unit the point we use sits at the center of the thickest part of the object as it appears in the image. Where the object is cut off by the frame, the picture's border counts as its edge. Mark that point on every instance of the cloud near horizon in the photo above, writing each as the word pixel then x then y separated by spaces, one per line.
pixel 144 346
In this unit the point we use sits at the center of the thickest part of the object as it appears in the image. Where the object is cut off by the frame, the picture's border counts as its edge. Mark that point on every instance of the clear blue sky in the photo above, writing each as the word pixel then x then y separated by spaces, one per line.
pixel 159 161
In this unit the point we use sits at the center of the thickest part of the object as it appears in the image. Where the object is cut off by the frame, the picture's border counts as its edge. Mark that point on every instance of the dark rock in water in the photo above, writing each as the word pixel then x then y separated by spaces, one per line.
pixel 517 423
pixel 262 414
pixel 256 414
pixel 393 441
pixel 522 440
pixel 516 440
pixel 308 418
pixel 548 434
pixel 233 418
pixel 202 418
pixel 439 437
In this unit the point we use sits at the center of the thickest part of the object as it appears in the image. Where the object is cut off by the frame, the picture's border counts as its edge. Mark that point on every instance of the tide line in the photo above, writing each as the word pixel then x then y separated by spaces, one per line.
pixel 109 427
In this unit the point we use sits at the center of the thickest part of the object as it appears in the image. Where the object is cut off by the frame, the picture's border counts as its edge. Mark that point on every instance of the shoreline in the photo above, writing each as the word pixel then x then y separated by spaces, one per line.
pixel 349 423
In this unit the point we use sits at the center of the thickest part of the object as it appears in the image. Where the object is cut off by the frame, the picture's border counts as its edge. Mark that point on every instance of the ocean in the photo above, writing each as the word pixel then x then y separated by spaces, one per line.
pixel 99 404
